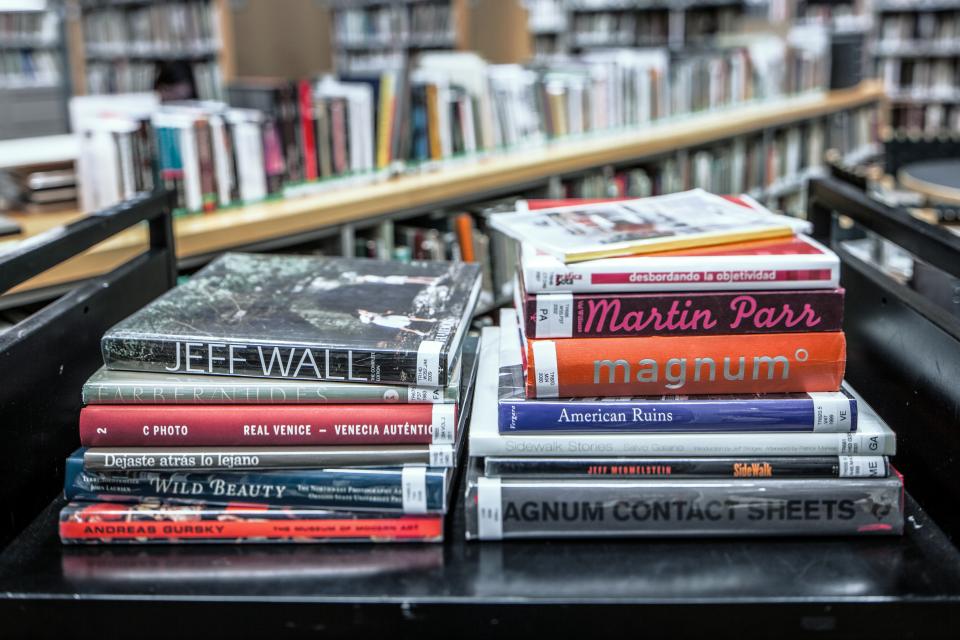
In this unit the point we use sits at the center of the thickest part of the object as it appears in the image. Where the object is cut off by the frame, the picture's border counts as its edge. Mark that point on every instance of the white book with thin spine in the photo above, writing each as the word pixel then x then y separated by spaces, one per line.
pixel 790 263
pixel 872 437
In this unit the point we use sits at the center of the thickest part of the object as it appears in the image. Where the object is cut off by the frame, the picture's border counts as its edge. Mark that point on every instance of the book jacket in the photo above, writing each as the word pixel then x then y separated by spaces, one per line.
pixel 872 437
pixel 411 489
pixel 499 508
pixel 110 425
pixel 156 521
pixel 265 458
pixel 108 386
pixel 332 319
pixel 752 363
pixel 693 218
pixel 797 262
pixel 581 315
pixel 675 467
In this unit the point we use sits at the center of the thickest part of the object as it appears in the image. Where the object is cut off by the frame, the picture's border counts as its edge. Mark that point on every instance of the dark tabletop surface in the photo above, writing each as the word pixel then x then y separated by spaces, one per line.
pixel 831 584
pixel 921 564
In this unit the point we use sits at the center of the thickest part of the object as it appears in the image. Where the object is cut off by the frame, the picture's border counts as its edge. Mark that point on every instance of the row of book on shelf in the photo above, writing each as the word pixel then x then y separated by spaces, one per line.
pixel 21 68
pixel 29 28
pixel 669 366
pixel 420 23
pixel 276 136
pixel 150 29
pixel 124 44
pixel 933 29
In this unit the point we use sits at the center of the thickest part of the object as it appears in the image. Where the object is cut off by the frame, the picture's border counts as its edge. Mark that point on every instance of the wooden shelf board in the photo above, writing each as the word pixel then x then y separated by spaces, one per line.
pixel 242 226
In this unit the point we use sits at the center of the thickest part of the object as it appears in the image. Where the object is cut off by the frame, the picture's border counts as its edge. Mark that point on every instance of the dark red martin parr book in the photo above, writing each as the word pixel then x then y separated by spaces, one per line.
pixel 583 315
pixel 145 425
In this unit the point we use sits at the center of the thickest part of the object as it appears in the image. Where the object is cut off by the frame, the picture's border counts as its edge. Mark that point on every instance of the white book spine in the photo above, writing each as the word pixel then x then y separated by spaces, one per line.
pixel 221 160
pixel 191 169
pixel 253 180
pixel 701 273
pixel 686 444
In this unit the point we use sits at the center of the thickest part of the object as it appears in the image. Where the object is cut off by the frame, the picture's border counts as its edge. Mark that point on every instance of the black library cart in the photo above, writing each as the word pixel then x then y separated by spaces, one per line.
pixel 904 357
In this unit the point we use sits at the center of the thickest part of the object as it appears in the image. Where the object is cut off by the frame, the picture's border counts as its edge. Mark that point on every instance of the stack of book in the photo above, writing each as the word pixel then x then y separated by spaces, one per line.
pixel 281 399
pixel 620 303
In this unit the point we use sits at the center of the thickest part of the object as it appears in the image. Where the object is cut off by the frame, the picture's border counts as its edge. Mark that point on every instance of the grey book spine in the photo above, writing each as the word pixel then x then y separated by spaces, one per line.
pixel 501 509
pixel 130 387
pixel 264 458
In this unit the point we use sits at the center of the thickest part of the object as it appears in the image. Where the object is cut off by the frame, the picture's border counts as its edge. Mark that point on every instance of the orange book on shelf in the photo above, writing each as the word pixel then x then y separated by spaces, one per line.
pixel 464 223
pixel 686 365
pixel 433 122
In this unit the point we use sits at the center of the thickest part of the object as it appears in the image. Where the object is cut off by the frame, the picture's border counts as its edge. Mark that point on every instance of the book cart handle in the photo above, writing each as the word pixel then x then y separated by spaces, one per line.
pixel 46 357
pixel 903 349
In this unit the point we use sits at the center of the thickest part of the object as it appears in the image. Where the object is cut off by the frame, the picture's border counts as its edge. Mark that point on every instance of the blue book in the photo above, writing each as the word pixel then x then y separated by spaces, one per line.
pixel 409 489
pixel 834 412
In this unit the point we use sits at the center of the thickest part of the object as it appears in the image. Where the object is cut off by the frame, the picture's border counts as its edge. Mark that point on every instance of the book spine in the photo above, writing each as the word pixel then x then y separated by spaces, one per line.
pixel 426 367
pixel 103 523
pixel 757 363
pixel 830 412
pixel 858 443
pixel 264 458
pixel 413 489
pixel 502 509
pixel 565 315
pixel 699 274
pixel 205 160
pixel 177 391
pixel 745 467
pixel 244 425
pixel 308 130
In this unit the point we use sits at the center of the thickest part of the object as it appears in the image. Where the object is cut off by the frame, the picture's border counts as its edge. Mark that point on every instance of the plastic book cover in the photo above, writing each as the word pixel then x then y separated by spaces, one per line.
pixel 822 412
pixel 695 365
pixel 501 508
pixel 408 489
pixel 797 262
pixel 332 319
pixel 157 521
pixel 872 437
pixel 108 386
pixel 677 467
pixel 297 457
pixel 611 315
pixel 688 219
pixel 125 425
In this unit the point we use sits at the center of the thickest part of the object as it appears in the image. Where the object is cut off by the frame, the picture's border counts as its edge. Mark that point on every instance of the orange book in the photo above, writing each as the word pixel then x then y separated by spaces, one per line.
pixel 464 223
pixel 685 365
pixel 433 122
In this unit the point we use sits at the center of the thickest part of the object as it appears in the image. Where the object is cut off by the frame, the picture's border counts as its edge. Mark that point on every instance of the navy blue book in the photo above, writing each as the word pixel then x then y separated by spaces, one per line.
pixel 410 489
pixel 815 412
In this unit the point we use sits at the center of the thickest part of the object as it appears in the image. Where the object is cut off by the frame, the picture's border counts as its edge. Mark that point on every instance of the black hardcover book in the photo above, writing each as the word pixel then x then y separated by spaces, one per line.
pixel 307 318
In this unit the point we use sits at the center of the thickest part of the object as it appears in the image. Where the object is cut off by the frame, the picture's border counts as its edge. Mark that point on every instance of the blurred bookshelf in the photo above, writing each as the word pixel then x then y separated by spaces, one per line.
pixel 373 34
pixel 783 139
pixel 33 66
pixel 118 46
pixel 916 50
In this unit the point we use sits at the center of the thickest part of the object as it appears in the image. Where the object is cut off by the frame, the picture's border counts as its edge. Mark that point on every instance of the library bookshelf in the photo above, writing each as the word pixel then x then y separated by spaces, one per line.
pixel 280 223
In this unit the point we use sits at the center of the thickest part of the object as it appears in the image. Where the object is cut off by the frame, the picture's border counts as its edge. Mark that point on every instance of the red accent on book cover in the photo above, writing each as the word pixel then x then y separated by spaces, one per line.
pixel 307 128
pixel 241 425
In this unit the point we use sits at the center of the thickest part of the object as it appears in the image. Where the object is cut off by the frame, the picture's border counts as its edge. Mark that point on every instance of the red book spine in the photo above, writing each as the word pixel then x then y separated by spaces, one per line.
pixel 566 315
pixel 243 425
pixel 307 127
pixel 105 522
